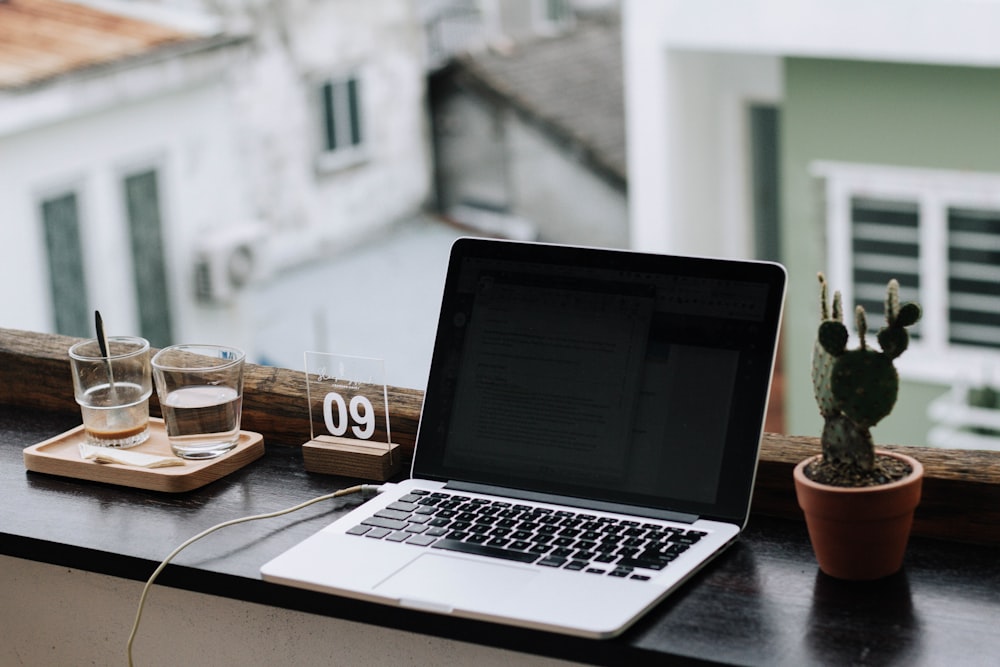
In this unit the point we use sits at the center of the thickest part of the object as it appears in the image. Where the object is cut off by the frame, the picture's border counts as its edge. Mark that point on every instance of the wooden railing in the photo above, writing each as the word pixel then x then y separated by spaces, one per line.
pixel 961 496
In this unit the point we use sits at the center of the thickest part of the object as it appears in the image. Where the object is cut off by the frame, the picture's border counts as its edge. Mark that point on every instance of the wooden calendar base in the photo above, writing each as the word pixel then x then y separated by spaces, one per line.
pixel 347 457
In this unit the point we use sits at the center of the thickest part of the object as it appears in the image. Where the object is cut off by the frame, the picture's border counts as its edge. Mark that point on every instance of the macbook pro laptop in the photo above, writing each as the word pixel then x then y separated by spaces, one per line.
pixel 588 440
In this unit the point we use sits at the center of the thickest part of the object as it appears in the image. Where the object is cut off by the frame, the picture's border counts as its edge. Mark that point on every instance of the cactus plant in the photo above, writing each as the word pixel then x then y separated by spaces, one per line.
pixel 858 532
pixel 857 388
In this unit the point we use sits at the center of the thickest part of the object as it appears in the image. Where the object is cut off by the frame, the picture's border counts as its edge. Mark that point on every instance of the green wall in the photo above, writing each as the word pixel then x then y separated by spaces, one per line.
pixel 926 116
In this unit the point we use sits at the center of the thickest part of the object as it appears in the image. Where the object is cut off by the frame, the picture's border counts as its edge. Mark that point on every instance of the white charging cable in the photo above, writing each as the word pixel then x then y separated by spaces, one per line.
pixel 370 489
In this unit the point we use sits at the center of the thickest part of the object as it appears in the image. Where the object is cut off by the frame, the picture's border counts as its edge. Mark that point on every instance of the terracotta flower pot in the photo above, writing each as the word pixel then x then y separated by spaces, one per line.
pixel 859 533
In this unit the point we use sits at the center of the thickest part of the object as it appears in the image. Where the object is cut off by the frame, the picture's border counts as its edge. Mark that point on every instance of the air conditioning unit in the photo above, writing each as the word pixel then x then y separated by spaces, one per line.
pixel 226 261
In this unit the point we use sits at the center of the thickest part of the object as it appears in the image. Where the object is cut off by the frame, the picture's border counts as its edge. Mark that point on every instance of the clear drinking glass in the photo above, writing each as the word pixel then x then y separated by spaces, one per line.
pixel 200 388
pixel 113 391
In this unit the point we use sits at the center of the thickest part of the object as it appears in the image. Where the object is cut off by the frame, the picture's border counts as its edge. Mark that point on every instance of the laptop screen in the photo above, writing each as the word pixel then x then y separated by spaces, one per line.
pixel 620 377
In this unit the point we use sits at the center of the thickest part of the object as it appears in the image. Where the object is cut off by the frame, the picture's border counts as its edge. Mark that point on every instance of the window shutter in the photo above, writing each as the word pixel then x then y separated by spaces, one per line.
pixel 885 239
pixel 974 277
pixel 142 200
pixel 353 104
pixel 329 117
pixel 67 283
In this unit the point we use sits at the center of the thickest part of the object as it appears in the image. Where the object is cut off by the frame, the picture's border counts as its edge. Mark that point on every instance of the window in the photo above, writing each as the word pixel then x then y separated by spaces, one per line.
pixel 764 124
pixel 342 127
pixel 938 233
pixel 142 204
pixel 554 16
pixel 67 284
pixel 558 11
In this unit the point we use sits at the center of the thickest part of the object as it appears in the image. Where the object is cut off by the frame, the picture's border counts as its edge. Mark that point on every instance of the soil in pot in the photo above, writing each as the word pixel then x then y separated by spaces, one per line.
pixel 887 469
pixel 860 533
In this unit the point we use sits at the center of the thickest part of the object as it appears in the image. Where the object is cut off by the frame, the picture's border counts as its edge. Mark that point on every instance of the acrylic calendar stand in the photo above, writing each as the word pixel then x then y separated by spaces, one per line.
pixel 349 431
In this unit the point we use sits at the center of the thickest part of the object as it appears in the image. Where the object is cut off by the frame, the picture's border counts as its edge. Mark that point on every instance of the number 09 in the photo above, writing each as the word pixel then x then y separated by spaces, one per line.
pixel 361 413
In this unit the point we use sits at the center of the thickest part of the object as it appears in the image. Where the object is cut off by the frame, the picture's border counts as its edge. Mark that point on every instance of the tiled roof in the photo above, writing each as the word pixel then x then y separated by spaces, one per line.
pixel 571 84
pixel 44 38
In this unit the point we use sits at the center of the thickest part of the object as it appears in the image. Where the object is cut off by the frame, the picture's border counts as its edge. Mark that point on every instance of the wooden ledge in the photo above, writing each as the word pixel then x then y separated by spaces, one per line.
pixel 961 489
pixel 961 495
pixel 35 372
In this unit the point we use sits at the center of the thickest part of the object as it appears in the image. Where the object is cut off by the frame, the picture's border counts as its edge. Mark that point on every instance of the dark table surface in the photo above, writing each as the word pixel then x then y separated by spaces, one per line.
pixel 763 602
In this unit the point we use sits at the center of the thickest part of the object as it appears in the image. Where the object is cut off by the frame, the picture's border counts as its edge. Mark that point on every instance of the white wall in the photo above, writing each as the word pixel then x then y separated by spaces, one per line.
pixel 938 31
pixel 564 198
pixel 689 185
pixel 184 134
pixel 58 616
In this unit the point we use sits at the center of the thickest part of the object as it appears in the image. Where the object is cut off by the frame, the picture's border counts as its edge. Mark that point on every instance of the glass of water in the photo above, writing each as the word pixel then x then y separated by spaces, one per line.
pixel 200 388
pixel 113 391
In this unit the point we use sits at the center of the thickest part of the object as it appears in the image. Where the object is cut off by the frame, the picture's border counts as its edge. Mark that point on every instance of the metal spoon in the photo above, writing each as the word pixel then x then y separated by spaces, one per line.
pixel 102 342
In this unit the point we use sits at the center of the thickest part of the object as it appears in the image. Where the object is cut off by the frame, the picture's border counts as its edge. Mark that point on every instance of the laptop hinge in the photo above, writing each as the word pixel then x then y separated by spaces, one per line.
pixel 582 503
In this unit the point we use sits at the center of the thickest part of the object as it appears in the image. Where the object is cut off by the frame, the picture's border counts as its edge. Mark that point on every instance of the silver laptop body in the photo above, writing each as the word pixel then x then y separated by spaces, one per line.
pixel 588 440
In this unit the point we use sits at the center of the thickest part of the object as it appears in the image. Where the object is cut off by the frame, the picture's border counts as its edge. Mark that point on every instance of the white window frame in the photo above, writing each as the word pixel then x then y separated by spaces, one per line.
pixel 345 154
pixel 932 358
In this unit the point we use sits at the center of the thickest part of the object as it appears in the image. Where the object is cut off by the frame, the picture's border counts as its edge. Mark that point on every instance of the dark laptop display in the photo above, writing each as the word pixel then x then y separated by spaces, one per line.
pixel 618 382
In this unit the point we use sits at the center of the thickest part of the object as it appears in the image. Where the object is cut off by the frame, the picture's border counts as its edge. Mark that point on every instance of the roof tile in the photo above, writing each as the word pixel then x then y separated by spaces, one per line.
pixel 44 38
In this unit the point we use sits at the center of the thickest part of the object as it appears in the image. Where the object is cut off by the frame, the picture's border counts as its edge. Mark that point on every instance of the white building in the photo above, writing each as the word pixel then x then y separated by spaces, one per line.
pixel 157 158
pixel 853 137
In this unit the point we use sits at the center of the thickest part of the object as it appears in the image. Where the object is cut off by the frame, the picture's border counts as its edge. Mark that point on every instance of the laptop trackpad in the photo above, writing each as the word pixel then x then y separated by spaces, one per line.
pixel 441 583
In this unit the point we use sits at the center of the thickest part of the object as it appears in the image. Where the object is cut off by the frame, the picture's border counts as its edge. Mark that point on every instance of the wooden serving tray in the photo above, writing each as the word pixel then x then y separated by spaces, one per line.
pixel 61 456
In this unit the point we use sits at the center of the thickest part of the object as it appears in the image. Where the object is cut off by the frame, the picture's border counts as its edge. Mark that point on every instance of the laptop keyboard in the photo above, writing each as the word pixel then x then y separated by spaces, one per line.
pixel 511 531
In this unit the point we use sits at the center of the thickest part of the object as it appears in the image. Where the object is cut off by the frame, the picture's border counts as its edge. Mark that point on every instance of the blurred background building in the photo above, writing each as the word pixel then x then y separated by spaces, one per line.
pixel 856 138
pixel 288 175
pixel 234 170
